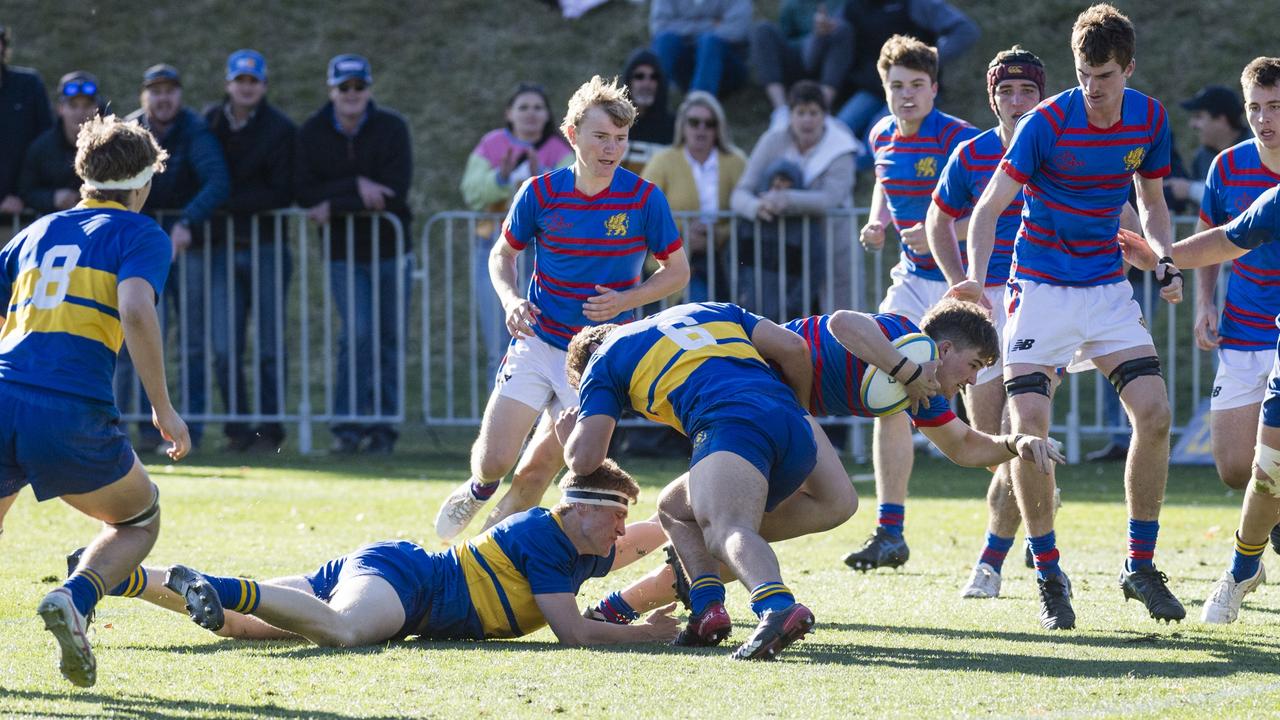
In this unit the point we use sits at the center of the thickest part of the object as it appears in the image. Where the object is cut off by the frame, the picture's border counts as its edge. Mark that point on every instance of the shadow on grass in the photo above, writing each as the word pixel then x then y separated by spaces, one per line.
pixel 148 707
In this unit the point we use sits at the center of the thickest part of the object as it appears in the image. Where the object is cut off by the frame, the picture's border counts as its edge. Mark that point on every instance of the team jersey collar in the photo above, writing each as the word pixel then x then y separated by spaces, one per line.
pixel 99 204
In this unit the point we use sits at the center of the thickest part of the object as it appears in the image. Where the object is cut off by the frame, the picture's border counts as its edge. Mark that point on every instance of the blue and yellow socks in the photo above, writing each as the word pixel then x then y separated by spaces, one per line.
pixel 1045 550
pixel 891 517
pixel 132 585
pixel 1244 564
pixel 86 588
pixel 995 551
pixel 771 596
pixel 704 590
pixel 235 594
pixel 1142 543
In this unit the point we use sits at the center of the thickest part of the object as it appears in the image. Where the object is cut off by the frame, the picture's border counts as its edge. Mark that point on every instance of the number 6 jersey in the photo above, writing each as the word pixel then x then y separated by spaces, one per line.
pixel 58 277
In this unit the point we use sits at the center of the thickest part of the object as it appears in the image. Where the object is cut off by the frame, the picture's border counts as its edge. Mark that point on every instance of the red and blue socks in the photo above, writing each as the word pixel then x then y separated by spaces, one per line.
pixel 771 596
pixel 1244 564
pixel 1045 549
pixel 1142 543
pixel 484 491
pixel 996 550
pixel 703 591
pixel 890 518
pixel 235 594
pixel 616 610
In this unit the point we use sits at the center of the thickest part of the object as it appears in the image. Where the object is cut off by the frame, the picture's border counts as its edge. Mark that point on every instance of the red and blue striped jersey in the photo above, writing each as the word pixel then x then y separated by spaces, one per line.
pixel 684 367
pixel 581 241
pixel 1259 226
pixel 59 280
pixel 907 168
pixel 964 178
pixel 1236 179
pixel 838 373
pixel 1077 180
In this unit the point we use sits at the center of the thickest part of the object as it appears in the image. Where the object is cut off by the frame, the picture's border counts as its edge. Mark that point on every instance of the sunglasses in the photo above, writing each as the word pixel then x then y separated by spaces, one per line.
pixel 644 76
pixel 698 123
pixel 80 87
pixel 352 87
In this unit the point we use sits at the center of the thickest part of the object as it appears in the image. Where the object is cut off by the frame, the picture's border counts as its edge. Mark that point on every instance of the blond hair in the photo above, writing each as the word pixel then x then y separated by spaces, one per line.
pixel 109 148
pixel 611 96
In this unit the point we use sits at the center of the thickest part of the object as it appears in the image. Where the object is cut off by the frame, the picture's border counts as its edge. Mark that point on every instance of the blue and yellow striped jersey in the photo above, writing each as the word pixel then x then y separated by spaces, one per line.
pixel 683 367
pixel 492 579
pixel 59 277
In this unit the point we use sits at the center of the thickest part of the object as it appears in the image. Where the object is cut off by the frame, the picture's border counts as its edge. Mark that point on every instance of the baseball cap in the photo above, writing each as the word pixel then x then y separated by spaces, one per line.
pixel 1216 100
pixel 161 73
pixel 349 67
pixel 76 83
pixel 247 62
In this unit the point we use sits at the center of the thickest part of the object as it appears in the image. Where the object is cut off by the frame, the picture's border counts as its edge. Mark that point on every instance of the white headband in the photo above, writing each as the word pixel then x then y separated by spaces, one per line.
pixel 611 498
pixel 133 183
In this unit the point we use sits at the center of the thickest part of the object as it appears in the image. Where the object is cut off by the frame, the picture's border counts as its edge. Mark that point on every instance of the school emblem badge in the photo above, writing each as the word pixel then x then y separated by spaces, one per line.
pixel 616 226
pixel 1134 158
pixel 926 167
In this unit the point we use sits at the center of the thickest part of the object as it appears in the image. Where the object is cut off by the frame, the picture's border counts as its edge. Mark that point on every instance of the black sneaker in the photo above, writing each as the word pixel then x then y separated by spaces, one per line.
pixel 681 583
pixel 880 550
pixel 202 600
pixel 73 562
pixel 1275 539
pixel 777 630
pixel 1055 603
pixel 1150 586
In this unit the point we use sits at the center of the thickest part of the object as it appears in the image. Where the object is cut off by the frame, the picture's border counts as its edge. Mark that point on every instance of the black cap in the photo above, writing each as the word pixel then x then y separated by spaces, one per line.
pixel 161 73
pixel 1216 100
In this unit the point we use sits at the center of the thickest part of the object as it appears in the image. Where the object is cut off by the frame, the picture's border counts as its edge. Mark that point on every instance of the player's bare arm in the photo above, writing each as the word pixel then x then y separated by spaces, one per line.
pixel 571 628
pixel 862 337
pixel 1205 328
pixel 588 444
pixel 944 244
pixel 872 234
pixel 520 313
pixel 1001 191
pixel 1199 250
pixel 670 277
pixel 141 327
pixel 965 446
pixel 779 345
pixel 1158 227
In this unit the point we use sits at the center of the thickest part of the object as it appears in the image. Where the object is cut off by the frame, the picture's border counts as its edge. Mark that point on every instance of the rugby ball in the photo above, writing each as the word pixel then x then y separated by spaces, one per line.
pixel 881 394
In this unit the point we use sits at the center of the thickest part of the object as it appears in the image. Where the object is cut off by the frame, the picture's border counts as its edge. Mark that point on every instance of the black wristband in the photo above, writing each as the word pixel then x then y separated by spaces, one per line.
pixel 1011 443
pixel 894 372
pixel 1167 280
pixel 914 375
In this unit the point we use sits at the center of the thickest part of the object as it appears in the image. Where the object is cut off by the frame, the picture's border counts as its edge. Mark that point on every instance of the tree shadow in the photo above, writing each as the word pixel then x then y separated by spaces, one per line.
pixel 147 707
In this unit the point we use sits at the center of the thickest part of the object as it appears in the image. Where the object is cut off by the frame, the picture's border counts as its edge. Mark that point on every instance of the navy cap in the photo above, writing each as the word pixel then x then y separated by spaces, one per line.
pixel 76 83
pixel 247 62
pixel 1216 100
pixel 349 67
pixel 161 73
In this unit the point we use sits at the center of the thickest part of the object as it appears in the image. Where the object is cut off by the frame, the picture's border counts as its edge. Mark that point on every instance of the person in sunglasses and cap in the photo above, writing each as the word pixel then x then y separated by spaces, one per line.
pixel 24 114
pixel 49 182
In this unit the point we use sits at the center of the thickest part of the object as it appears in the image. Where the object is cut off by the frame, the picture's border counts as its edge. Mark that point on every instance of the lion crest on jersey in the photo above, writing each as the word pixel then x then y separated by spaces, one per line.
pixel 1134 158
pixel 927 167
pixel 616 226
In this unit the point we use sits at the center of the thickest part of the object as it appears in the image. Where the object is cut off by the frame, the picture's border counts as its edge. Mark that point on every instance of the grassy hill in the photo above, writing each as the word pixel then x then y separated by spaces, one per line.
pixel 449 64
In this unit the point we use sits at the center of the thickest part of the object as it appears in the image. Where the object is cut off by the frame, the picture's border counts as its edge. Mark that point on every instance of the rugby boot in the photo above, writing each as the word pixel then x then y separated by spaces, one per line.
pixel 1223 605
pixel 457 512
pixel 777 630
pixel 70 630
pixel 882 549
pixel 681 583
pixel 1151 587
pixel 984 582
pixel 73 562
pixel 1055 603
pixel 706 629
pixel 202 600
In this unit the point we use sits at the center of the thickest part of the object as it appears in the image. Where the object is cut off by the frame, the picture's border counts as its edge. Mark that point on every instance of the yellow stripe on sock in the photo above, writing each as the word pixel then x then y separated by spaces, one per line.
pixel 770 591
pixel 253 596
pixel 1245 548
pixel 704 582
pixel 96 580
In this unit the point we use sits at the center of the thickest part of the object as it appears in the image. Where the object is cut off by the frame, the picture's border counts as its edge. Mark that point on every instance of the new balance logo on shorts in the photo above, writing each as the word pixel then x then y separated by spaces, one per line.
pixel 1023 344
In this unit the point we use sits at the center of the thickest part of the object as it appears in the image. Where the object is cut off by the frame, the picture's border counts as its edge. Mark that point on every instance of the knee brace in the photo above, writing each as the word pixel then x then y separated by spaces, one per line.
pixel 146 517
pixel 1036 382
pixel 1266 475
pixel 1129 370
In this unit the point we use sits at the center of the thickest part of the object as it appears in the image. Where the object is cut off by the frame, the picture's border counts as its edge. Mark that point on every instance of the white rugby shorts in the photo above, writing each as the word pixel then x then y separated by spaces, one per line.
pixel 1241 379
pixel 533 373
pixel 1059 325
pixel 999 317
pixel 911 295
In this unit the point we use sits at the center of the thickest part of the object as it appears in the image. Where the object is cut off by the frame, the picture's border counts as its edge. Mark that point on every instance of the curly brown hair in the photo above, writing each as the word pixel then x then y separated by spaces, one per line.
pixel 1103 33
pixel 909 53
pixel 580 349
pixel 966 325
pixel 1260 72
pixel 606 477
pixel 109 148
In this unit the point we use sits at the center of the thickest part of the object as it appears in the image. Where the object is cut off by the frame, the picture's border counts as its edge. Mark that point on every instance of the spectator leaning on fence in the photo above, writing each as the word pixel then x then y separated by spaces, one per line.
pixel 824 150
pixel 49 182
pixel 529 145
pixel 353 156
pixel 24 114
pixel 702 45
pixel 698 174
pixel 183 197
pixel 258 143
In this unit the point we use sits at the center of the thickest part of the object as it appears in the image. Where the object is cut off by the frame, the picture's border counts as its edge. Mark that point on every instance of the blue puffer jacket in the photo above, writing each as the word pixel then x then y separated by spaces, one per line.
pixel 194 182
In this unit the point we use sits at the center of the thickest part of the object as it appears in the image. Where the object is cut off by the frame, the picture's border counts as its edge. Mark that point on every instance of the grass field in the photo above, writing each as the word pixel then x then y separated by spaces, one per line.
pixel 889 644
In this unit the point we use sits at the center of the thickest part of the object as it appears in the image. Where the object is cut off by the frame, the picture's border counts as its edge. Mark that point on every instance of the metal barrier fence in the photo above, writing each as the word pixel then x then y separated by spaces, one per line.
pixel 794 267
